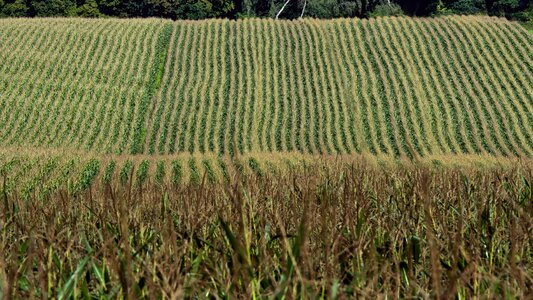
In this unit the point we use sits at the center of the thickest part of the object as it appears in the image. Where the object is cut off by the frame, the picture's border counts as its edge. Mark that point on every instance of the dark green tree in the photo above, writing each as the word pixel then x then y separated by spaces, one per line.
pixel 132 8
pixel 256 8
pixel 202 9
pixel 162 8
pixel 54 8
pixel 418 7
pixel 503 7
pixel 194 9
pixel 89 10
pixel 14 9
pixel 468 7
pixel 109 7
pixel 339 8
pixel 391 9
pixel 322 8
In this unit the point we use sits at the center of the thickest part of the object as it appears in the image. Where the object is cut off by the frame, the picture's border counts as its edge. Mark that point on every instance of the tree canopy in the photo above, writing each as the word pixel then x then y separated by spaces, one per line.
pixel 521 10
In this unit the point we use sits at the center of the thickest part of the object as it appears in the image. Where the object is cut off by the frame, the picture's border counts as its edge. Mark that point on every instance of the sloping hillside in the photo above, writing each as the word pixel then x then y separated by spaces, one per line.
pixel 389 86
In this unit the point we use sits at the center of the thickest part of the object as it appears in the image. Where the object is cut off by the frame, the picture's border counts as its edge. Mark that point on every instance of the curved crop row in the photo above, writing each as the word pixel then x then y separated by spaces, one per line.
pixel 396 87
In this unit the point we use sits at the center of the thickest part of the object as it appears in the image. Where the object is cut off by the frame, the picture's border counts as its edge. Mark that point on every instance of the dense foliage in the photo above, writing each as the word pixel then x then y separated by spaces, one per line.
pixel 201 9
pixel 326 230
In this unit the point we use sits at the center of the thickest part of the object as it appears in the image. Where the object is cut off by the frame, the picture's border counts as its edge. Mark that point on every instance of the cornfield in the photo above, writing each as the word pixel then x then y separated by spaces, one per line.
pixel 325 230
pixel 348 158
pixel 397 87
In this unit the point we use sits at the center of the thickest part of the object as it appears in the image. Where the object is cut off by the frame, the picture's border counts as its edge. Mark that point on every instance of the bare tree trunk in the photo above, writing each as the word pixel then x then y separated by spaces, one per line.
pixel 303 9
pixel 282 8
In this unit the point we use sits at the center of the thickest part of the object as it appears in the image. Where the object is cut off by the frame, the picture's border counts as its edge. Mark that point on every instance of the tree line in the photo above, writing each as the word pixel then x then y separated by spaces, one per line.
pixel 521 10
